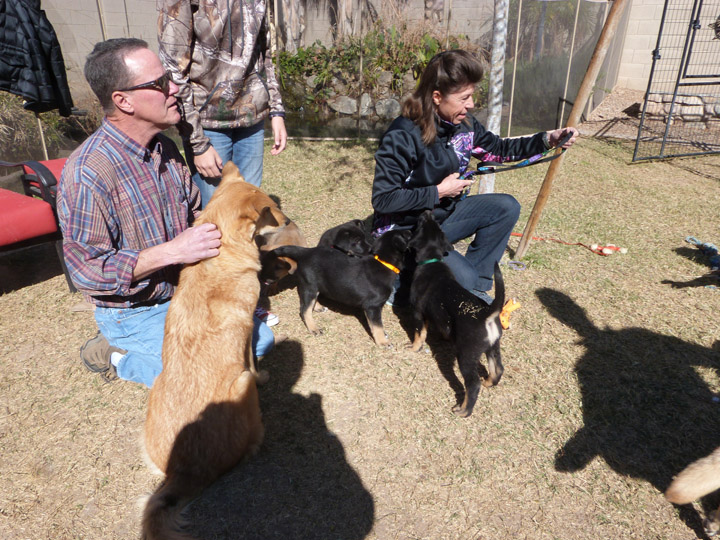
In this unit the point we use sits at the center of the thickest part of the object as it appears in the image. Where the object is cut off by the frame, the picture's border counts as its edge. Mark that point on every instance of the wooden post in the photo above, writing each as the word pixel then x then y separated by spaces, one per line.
pixel 603 44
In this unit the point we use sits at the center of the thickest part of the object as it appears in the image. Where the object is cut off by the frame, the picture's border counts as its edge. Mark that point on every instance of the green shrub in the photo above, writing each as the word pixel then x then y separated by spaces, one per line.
pixel 395 50
pixel 20 135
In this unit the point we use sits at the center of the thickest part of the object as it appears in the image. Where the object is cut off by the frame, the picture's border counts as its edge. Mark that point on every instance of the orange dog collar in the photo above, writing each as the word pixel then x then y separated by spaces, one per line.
pixel 387 265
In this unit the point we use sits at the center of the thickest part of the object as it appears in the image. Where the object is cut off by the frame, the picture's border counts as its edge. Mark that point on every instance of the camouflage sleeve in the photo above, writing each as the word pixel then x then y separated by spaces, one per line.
pixel 276 104
pixel 175 34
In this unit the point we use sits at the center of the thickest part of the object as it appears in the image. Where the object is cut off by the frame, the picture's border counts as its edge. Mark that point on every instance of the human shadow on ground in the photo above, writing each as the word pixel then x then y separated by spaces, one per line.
pixel 694 254
pixel 646 411
pixel 299 484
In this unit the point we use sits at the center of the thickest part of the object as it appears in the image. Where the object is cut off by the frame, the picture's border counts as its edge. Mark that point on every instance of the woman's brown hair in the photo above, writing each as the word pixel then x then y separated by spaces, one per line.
pixel 446 72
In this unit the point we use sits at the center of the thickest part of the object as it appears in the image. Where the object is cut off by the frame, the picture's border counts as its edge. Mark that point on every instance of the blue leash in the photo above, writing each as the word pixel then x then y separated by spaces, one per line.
pixel 491 167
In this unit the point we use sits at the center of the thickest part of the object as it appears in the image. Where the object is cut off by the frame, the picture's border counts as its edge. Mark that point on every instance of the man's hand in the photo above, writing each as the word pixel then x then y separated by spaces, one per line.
pixel 452 186
pixel 190 246
pixel 279 133
pixel 195 244
pixel 209 164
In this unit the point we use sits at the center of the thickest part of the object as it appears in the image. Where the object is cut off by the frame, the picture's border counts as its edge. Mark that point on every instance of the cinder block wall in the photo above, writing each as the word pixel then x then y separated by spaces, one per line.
pixel 79 24
pixel 640 40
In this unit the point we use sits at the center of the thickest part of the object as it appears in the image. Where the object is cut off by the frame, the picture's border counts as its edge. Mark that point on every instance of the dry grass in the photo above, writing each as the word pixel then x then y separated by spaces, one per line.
pixel 608 389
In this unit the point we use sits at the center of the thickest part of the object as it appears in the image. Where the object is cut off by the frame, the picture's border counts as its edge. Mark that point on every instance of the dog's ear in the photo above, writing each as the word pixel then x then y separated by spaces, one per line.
pixel 274 268
pixel 401 239
pixel 230 170
pixel 417 239
pixel 359 223
pixel 288 264
pixel 266 219
pixel 447 248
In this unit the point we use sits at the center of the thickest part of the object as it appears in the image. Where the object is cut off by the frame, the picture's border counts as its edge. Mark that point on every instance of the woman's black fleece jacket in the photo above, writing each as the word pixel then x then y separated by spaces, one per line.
pixel 407 171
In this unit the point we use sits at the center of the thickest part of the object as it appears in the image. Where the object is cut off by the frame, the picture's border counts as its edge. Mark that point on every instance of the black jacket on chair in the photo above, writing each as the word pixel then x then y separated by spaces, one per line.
pixel 31 62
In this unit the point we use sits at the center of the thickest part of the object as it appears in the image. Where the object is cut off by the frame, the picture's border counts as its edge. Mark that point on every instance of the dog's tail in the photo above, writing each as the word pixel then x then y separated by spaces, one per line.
pixel 499 301
pixel 696 480
pixel 291 252
pixel 162 517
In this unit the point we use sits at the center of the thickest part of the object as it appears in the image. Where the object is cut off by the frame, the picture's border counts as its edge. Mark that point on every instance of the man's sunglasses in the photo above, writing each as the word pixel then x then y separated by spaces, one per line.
pixel 162 83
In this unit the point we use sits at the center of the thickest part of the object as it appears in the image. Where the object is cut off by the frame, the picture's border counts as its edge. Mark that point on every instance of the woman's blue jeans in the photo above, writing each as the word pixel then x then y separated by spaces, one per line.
pixel 491 218
pixel 244 147
pixel 140 332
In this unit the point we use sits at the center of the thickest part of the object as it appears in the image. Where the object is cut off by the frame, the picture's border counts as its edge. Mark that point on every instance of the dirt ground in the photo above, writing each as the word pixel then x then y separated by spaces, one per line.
pixel 611 384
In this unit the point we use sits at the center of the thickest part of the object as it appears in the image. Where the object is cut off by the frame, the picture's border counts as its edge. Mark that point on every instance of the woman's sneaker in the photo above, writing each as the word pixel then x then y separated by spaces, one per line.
pixel 266 316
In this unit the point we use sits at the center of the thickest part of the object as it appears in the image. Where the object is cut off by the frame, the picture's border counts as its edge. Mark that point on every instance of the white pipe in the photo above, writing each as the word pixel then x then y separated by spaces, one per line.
pixel 512 87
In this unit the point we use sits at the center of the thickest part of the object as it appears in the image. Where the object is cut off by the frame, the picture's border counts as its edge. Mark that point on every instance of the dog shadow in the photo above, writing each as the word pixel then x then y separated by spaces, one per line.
pixel 442 351
pixel 695 255
pixel 299 484
pixel 646 411
pixel 344 310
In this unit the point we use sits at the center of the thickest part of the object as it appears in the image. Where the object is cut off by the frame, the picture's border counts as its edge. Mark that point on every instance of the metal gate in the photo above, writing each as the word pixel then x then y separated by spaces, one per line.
pixel 681 112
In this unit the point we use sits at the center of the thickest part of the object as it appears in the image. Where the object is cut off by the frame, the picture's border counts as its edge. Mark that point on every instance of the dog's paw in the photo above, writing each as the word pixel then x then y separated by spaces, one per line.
pixel 711 524
pixel 461 411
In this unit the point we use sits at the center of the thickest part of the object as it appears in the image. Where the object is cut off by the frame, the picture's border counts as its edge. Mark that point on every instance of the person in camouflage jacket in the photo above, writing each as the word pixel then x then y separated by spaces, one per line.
pixel 217 53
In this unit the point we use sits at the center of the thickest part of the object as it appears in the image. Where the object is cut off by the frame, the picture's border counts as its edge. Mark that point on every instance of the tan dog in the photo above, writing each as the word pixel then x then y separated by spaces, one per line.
pixel 203 411
pixel 697 480
pixel 275 268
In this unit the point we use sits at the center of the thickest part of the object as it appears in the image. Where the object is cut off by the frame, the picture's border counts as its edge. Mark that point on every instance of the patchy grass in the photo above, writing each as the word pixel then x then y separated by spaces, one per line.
pixel 608 392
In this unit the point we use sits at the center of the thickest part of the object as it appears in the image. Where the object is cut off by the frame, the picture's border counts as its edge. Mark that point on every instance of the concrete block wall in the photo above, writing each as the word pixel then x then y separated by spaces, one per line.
pixel 79 24
pixel 640 41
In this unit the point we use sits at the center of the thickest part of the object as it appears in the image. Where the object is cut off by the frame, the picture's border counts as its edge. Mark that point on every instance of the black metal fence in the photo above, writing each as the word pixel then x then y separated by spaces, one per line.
pixel 681 112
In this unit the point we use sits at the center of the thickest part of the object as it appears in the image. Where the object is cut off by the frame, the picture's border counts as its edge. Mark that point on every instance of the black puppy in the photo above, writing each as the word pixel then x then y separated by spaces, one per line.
pixel 349 237
pixel 364 282
pixel 469 323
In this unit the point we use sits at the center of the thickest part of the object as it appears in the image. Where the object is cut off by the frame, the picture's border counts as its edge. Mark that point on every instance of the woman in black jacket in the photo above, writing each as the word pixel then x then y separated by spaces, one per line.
pixel 425 151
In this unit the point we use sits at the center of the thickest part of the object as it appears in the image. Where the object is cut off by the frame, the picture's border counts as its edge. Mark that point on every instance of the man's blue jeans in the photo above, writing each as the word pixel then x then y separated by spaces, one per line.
pixel 491 218
pixel 140 332
pixel 244 147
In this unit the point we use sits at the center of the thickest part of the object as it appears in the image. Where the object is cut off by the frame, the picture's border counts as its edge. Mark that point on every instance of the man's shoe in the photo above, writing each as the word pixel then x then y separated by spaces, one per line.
pixel 95 356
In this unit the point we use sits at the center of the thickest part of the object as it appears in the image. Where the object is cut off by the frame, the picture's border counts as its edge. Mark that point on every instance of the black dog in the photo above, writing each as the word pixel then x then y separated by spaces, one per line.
pixel 350 238
pixel 364 282
pixel 469 323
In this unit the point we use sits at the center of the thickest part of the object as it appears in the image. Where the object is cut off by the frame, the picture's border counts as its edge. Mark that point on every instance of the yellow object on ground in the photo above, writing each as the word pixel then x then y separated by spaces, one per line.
pixel 510 306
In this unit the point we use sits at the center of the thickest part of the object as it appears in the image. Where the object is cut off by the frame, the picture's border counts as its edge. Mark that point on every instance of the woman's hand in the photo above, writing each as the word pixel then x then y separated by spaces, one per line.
pixel 556 136
pixel 452 186
pixel 209 164
pixel 279 135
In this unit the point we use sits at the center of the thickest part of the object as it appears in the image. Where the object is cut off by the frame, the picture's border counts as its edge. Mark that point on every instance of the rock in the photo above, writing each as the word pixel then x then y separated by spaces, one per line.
pixel 343 105
pixel 387 108
pixel 366 106
pixel 408 83
pixel 385 79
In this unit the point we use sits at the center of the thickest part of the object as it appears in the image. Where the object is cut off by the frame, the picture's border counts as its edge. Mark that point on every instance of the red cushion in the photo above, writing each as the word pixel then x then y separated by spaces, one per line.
pixel 23 217
pixel 55 166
